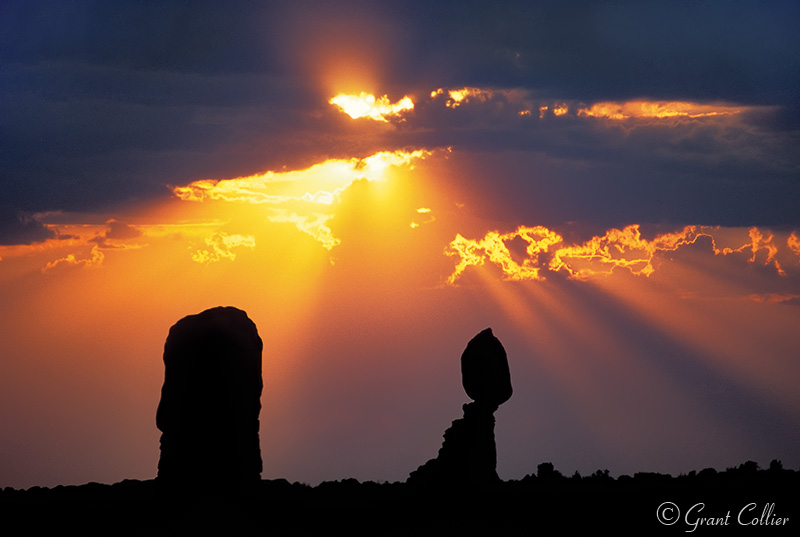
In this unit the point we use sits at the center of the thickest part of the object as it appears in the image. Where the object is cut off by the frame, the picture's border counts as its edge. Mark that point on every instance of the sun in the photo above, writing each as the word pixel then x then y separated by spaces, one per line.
pixel 367 105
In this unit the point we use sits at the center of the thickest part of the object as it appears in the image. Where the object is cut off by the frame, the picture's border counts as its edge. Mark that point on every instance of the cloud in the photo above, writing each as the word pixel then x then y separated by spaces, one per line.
pixel 104 34
pixel 314 224
pixel 457 97
pixel 595 52
pixel 86 128
pixel 614 162
pixel 622 249
pixel 95 259
pixel 794 244
pixel 426 211
pixel 306 198
pixel 318 184
pixel 508 104
pixel 121 230
pixel 657 109
pixel 106 103
pixel 787 299
pixel 116 234
pixel 19 227
pixel 220 245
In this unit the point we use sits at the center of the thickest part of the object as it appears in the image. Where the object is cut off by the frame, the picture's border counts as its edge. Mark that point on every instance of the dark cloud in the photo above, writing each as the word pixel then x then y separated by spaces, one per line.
pixel 121 230
pixel 105 103
pixel 117 231
pixel 17 227
pixel 138 35
pixel 720 170
pixel 605 51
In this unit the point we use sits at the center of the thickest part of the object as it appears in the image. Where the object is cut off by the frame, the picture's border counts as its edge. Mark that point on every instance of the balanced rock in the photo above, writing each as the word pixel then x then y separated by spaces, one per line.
pixel 468 455
pixel 484 370
pixel 211 399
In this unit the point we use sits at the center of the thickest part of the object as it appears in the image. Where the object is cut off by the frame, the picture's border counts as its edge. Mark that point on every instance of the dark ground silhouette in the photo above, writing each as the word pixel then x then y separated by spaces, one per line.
pixel 208 476
pixel 542 503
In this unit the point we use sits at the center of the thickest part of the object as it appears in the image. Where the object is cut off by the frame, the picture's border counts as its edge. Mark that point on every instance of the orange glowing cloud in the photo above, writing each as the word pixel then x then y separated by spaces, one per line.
pixel 494 246
pixel 623 248
pixel 774 298
pixel 760 241
pixel 616 249
pixel 87 245
pixel 425 211
pixel 525 104
pixel 305 198
pixel 75 244
pixel 220 245
pixel 314 224
pixel 367 105
pixel 656 109
pixel 217 219
pixel 70 261
pixel 558 110
pixel 794 244
pixel 457 97
pixel 542 111
pixel 320 184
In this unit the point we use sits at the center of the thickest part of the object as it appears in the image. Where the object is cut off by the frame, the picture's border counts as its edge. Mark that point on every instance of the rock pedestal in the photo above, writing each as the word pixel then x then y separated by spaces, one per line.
pixel 468 455
pixel 211 399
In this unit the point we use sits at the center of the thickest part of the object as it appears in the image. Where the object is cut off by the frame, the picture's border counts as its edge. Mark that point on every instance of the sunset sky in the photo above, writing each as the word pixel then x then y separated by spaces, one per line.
pixel 613 188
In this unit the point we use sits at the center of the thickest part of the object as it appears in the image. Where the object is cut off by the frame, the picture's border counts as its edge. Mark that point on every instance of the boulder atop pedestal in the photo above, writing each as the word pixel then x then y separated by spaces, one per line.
pixel 211 400
pixel 468 456
pixel 484 370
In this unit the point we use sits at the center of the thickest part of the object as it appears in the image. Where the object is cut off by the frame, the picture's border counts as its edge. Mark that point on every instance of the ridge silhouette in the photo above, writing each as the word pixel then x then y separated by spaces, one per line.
pixel 468 455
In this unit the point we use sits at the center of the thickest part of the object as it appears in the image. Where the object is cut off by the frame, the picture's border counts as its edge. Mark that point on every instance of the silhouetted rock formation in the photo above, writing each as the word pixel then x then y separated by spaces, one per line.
pixel 468 454
pixel 211 399
pixel 484 370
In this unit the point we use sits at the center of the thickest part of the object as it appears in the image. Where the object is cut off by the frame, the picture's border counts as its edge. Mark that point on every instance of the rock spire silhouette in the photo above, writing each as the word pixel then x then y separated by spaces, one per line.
pixel 468 454
pixel 211 399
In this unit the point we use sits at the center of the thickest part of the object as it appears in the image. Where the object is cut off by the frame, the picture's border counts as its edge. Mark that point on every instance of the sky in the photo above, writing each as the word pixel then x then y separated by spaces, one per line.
pixel 612 187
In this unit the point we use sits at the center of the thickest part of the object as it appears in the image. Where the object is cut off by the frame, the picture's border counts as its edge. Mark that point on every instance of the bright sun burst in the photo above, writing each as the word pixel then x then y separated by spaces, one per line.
pixel 367 105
